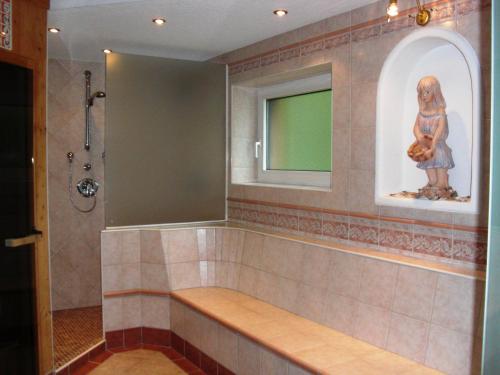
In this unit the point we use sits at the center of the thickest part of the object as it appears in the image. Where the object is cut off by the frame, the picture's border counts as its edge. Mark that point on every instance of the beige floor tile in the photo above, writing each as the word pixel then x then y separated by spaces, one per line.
pixel 138 362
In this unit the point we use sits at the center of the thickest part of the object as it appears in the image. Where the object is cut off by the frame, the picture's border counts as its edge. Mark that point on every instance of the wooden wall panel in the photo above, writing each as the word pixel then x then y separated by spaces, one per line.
pixel 29 49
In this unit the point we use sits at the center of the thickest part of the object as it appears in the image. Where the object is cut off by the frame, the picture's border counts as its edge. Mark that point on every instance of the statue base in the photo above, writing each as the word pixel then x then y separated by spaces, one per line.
pixel 433 193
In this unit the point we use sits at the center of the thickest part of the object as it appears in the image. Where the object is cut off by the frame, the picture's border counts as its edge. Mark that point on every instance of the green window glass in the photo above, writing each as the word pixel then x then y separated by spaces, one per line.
pixel 299 132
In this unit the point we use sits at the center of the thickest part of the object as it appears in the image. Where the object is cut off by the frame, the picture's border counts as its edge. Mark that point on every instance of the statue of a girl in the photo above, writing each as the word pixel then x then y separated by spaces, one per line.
pixel 430 148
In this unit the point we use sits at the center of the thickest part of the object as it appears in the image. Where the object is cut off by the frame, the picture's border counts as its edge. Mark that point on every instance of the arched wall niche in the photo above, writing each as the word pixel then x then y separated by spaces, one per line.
pixel 449 57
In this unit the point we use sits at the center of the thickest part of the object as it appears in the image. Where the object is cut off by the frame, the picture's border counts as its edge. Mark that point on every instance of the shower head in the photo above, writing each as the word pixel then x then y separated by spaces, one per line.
pixel 97 94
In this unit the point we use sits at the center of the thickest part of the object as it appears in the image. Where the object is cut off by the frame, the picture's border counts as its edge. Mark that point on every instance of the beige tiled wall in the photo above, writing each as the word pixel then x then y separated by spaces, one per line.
pixel 74 236
pixel 415 312
pixel 356 44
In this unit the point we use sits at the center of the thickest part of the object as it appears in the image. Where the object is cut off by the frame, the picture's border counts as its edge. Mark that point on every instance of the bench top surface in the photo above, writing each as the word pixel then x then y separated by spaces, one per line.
pixel 314 347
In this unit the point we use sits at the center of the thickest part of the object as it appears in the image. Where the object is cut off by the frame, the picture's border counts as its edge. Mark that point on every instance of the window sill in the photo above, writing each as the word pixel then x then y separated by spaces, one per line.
pixel 283 186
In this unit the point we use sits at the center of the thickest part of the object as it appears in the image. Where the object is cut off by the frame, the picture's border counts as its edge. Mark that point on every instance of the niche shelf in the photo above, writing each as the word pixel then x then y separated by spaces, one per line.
pixel 449 57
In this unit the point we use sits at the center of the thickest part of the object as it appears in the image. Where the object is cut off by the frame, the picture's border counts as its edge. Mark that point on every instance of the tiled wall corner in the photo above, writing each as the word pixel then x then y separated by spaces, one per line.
pixel 74 236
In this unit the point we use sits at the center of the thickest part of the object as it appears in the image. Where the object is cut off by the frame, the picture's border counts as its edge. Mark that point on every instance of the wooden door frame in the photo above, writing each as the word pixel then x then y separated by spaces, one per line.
pixel 41 256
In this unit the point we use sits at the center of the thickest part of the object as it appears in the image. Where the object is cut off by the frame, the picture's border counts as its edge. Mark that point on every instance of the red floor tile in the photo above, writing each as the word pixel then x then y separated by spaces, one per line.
pixel 192 353
pixel 123 349
pixel 155 336
pixel 171 354
pixel 224 371
pixel 132 336
pixel 186 365
pixel 64 371
pixel 208 365
pixel 80 362
pixel 178 343
pixel 114 339
pixel 85 369
pixel 100 358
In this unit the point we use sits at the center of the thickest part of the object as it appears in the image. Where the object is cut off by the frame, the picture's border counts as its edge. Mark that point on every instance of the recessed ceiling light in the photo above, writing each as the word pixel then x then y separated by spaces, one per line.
pixel 107 51
pixel 280 12
pixel 159 21
pixel 54 30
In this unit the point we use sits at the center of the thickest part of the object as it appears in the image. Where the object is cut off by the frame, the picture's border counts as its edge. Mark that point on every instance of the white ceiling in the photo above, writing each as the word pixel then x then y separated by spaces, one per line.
pixel 195 29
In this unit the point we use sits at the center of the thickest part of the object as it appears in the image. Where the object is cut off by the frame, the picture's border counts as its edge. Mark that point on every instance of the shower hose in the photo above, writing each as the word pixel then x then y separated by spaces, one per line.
pixel 70 191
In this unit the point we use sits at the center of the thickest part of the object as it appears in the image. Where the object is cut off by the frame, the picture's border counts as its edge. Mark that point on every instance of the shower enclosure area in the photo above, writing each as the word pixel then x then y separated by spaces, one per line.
pixel 75 135
pixel 164 162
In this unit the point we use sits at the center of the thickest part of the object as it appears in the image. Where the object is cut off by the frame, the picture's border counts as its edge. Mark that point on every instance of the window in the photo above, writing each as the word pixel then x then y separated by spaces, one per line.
pixel 295 131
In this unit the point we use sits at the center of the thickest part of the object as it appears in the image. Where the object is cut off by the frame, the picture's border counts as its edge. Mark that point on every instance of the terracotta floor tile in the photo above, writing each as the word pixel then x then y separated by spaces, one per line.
pixel 138 362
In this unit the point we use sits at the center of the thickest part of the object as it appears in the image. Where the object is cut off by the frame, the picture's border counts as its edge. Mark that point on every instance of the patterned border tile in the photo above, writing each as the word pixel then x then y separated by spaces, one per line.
pixel 335 226
pixel 6 24
pixel 464 246
pixel 442 10
pixel 396 236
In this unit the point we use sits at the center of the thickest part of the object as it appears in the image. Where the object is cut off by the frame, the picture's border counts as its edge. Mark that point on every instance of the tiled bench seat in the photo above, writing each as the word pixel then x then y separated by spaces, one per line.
pixel 430 314
pixel 313 347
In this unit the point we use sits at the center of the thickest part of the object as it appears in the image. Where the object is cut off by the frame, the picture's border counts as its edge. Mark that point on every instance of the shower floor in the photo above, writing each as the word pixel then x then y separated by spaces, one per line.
pixel 75 331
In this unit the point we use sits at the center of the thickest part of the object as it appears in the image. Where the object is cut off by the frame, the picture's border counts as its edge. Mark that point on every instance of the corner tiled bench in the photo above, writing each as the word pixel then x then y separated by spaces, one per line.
pixel 249 332
pixel 405 310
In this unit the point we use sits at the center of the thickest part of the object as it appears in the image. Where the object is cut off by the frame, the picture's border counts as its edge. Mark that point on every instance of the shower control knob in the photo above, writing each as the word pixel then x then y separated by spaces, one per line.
pixel 87 166
pixel 70 156
pixel 87 187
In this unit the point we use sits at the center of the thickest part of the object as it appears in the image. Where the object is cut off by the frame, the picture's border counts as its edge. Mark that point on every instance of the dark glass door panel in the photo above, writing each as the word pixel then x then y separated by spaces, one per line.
pixel 17 318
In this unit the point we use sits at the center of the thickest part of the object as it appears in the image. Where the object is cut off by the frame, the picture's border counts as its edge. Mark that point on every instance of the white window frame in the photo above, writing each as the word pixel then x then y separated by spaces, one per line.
pixel 294 178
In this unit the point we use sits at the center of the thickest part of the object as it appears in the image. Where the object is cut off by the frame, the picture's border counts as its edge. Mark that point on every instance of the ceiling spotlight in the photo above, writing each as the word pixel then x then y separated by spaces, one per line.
pixel 159 21
pixel 280 12
pixel 54 30
pixel 107 51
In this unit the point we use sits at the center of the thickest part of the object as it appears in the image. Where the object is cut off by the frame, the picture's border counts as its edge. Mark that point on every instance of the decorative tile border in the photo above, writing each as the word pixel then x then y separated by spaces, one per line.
pixel 460 245
pixel 442 11
pixel 6 24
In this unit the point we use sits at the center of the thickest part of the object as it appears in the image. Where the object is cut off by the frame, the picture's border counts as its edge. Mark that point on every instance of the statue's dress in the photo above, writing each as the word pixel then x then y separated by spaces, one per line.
pixel 442 155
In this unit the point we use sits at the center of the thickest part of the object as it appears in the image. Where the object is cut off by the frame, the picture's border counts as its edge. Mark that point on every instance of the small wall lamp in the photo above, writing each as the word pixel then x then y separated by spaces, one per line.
pixel 422 18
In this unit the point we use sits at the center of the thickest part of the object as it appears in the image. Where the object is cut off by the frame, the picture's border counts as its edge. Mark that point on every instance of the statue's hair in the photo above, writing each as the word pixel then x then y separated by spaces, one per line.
pixel 431 82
